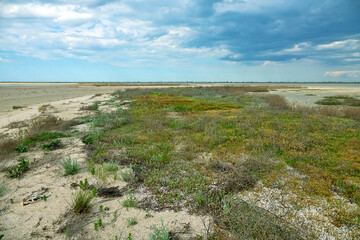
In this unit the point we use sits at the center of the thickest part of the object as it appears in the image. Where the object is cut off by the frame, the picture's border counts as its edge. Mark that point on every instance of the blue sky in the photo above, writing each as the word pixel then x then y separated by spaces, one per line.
pixel 180 40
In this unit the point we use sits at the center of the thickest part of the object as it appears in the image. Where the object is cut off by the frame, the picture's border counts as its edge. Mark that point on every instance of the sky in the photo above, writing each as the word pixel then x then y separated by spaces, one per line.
pixel 180 40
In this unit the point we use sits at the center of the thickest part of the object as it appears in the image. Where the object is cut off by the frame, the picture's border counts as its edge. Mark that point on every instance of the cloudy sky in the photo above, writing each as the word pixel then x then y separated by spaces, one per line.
pixel 180 40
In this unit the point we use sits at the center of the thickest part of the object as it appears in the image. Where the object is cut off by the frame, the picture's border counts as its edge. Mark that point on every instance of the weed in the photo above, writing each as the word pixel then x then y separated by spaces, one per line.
pixel 159 233
pixel 84 185
pixel 98 224
pixel 52 145
pixel 82 201
pixel 101 208
pixel 131 221
pixel 23 166
pixel 21 148
pixel 92 171
pixel 71 166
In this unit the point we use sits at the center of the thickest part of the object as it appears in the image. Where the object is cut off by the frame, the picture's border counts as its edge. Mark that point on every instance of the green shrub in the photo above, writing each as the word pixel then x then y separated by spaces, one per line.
pixel 82 201
pixel 21 148
pixel 159 233
pixel 71 166
pixel 52 145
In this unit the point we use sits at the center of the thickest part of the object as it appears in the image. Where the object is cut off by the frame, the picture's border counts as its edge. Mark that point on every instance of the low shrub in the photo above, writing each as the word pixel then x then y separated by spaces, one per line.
pixel 159 233
pixel 276 101
pixel 52 145
pixel 71 166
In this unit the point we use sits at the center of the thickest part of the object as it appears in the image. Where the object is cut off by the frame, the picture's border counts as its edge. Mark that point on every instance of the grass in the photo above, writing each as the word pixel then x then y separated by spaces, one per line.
pixel 71 166
pixel 82 202
pixel 182 142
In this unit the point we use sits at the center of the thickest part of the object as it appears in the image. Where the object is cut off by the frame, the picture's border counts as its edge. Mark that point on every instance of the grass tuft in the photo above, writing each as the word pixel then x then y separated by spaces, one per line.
pixel 82 201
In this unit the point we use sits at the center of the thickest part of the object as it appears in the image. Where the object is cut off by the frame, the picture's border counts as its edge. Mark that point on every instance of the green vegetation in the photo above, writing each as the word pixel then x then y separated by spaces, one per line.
pixel 40 137
pixel 340 100
pixel 23 166
pixel 3 189
pixel 98 224
pixel 130 200
pixel 17 107
pixel 131 221
pixel 180 142
pixel 52 145
pixel 71 166
pixel 82 201
pixel 159 233
pixel 93 107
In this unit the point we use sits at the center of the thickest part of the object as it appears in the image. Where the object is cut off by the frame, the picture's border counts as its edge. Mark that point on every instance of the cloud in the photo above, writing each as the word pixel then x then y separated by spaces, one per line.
pixel 342 73
pixel 127 31
pixel 4 60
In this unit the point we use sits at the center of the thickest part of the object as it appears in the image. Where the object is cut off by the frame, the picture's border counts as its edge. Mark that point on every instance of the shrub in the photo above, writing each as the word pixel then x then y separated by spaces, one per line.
pixel 82 201
pixel 52 145
pixel 71 166
pixel 159 233
pixel 276 101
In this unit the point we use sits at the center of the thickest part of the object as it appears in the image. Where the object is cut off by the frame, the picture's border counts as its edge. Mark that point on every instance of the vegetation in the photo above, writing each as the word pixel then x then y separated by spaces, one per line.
pixel 23 166
pixel 71 166
pixel 52 145
pixel 340 100
pixel 178 142
pixel 3 189
pixel 82 201
pixel 93 107
pixel 159 233
pixel 17 107
pixel 131 221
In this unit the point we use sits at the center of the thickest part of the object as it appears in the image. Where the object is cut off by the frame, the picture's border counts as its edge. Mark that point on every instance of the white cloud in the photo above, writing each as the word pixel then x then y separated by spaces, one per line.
pixel 346 44
pixel 342 73
pixel 4 60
